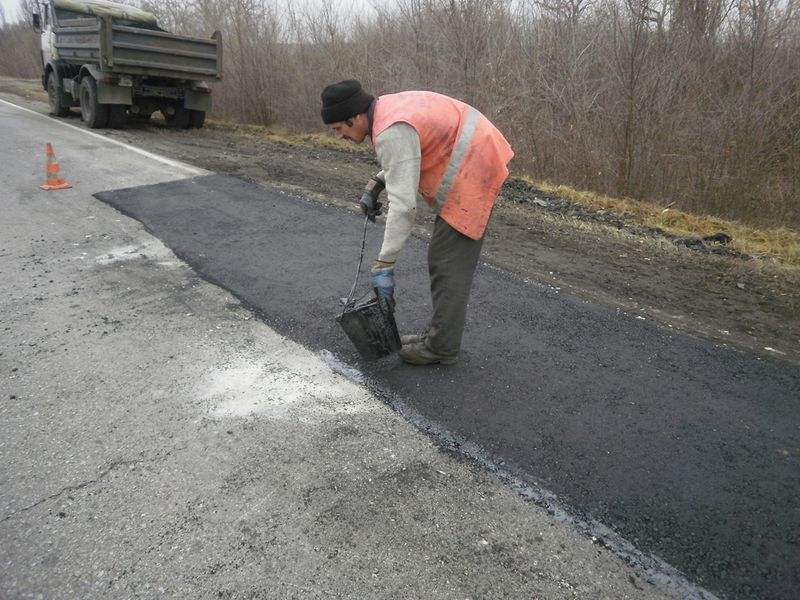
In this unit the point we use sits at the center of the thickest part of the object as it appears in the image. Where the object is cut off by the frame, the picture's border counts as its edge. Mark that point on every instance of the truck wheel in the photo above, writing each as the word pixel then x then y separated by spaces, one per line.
pixel 58 101
pixel 197 118
pixel 94 114
pixel 179 119
pixel 116 116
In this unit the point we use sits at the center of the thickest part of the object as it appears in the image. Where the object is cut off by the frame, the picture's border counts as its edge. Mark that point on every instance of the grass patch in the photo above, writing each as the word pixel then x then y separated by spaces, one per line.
pixel 30 89
pixel 780 245
pixel 283 136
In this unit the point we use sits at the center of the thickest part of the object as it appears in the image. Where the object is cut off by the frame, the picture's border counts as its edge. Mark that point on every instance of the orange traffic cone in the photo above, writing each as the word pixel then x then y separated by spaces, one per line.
pixel 54 181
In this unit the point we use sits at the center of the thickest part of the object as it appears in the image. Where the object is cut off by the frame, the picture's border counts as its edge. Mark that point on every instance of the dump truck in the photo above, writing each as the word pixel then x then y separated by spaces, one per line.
pixel 115 63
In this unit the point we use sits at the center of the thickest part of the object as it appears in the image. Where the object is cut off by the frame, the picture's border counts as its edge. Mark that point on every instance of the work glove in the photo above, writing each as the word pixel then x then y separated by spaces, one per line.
pixel 369 200
pixel 383 280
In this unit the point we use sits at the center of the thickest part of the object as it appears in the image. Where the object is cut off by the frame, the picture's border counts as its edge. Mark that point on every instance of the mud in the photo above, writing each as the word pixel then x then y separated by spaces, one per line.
pixel 693 286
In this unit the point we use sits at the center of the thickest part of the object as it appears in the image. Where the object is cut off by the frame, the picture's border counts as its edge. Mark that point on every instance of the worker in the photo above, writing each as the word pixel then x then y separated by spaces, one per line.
pixel 456 160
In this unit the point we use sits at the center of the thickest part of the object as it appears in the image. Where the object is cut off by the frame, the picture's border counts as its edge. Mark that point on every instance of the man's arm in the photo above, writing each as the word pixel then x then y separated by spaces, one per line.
pixel 398 151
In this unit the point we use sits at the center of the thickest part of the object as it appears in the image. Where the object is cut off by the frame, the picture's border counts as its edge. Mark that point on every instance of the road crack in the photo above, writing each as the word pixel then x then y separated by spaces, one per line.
pixel 102 475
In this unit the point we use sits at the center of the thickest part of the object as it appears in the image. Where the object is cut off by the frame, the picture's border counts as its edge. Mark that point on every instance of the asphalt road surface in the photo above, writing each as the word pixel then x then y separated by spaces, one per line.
pixel 664 447
pixel 686 450
pixel 158 441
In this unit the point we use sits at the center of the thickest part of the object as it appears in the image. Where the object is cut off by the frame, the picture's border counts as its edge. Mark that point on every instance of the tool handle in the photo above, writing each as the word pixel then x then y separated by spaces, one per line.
pixel 358 270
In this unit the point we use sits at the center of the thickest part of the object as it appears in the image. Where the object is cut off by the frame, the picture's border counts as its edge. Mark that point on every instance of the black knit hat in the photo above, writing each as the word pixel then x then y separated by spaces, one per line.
pixel 343 100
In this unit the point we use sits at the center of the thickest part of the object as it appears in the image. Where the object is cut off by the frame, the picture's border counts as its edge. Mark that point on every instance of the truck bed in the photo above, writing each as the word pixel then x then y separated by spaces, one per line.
pixel 138 51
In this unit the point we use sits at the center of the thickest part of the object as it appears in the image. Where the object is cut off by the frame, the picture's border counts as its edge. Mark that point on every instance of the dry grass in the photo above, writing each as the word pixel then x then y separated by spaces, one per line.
pixel 30 89
pixel 283 136
pixel 779 245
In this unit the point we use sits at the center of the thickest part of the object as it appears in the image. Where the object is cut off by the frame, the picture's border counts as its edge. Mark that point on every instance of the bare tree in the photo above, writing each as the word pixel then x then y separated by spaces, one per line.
pixel 20 55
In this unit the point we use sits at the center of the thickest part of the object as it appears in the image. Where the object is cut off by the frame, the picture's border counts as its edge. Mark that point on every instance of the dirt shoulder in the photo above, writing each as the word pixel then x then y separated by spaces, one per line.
pixel 696 289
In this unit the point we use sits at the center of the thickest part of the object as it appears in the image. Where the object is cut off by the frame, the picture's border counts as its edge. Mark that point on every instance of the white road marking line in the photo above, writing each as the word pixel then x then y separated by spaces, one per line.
pixel 162 159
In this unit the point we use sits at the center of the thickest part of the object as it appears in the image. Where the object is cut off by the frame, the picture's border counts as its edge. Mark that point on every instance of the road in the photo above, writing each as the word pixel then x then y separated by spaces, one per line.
pixel 157 440
pixel 668 450
pixel 687 448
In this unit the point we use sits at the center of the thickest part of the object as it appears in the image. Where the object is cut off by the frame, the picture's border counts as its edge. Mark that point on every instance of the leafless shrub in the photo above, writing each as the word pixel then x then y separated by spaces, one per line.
pixel 19 44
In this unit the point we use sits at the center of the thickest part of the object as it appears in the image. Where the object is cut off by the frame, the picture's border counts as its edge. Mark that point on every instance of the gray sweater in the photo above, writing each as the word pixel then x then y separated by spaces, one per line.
pixel 398 151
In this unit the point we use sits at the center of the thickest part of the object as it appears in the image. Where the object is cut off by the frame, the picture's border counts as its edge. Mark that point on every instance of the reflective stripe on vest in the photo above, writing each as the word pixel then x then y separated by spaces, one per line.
pixel 457 158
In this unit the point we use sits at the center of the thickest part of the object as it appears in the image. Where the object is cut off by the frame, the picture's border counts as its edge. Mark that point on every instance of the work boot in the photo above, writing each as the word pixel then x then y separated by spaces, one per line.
pixel 412 338
pixel 419 354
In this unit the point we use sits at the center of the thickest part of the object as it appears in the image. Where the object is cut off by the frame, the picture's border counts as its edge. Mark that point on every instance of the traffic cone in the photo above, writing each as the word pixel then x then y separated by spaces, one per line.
pixel 54 181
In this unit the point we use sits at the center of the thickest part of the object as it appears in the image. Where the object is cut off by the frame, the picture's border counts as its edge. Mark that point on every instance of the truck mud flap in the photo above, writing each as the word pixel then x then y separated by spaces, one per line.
pixel 197 101
pixel 108 93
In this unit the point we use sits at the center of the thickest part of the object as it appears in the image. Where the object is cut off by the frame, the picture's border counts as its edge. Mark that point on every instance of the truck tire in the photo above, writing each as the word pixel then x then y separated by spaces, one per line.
pixel 117 116
pixel 179 119
pixel 197 118
pixel 59 102
pixel 94 114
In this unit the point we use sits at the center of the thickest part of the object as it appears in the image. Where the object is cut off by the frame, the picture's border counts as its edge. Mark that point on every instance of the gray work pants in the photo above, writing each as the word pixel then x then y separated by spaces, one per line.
pixel 452 259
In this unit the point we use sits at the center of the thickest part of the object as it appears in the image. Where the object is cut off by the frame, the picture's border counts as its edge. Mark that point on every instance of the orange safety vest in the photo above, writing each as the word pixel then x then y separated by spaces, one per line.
pixel 464 157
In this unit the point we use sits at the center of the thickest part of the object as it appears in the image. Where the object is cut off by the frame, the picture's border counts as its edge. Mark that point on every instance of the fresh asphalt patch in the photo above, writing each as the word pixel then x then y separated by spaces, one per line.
pixel 686 449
